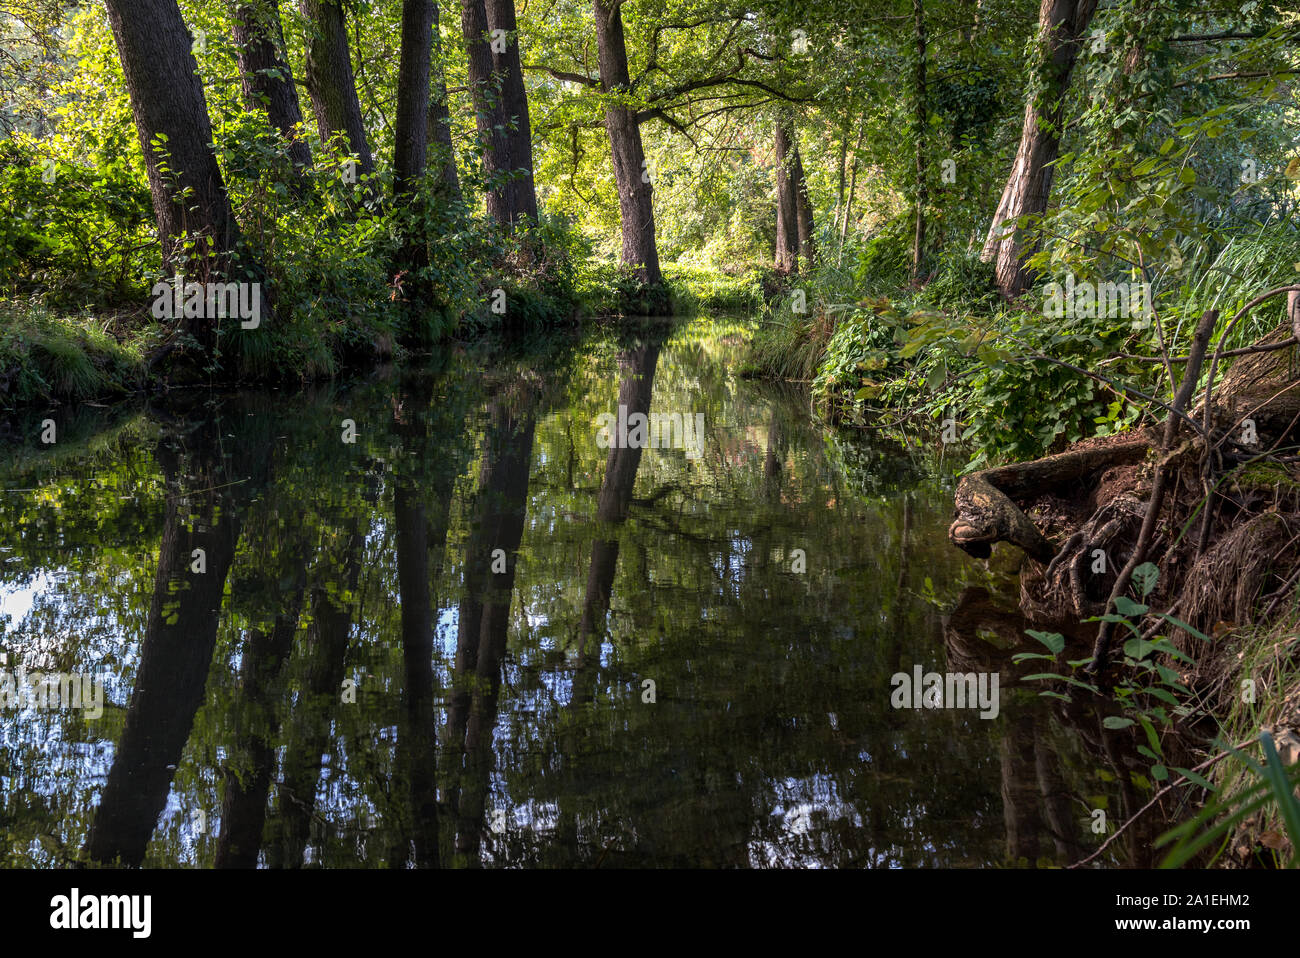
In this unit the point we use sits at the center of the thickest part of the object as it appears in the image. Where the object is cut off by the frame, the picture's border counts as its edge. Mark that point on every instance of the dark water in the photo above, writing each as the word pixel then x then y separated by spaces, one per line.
pixel 476 636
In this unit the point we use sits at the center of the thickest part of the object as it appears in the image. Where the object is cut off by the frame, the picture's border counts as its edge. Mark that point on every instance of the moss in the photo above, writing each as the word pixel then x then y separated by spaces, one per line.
pixel 1267 475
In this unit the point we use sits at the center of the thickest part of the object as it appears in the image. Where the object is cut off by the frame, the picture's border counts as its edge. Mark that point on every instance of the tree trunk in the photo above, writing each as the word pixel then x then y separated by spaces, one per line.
pixel 794 218
pixel 843 169
pixel 848 203
pixel 919 128
pixel 167 101
pixel 264 72
pixel 787 217
pixel 411 130
pixel 330 82
pixel 520 190
pixel 410 146
pixel 803 209
pixel 1061 25
pixel 631 174
pixel 440 118
pixel 417 733
pixel 485 91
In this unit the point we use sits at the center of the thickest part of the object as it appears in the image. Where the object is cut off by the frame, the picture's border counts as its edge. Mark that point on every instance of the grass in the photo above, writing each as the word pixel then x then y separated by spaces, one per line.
pixel 44 357
pixel 1254 801
pixel 698 288
pixel 790 347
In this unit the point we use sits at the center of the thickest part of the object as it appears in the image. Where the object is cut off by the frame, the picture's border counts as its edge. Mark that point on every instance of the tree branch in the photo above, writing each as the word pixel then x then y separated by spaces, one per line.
pixel 564 75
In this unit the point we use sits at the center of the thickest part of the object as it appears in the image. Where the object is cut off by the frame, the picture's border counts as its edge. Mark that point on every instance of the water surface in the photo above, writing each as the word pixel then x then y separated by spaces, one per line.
pixel 475 636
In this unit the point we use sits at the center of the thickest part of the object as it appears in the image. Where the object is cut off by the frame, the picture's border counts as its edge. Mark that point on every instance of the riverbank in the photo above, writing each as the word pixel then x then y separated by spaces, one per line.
pixel 56 356
pixel 1179 548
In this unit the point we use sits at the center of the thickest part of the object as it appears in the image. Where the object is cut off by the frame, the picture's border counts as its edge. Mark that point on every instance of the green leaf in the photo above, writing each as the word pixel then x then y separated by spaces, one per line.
pixel 1189 843
pixel 1026 656
pixel 1145 577
pixel 1117 722
pixel 1138 648
pixel 1127 606
pixel 1150 729
pixel 1173 620
pixel 1195 779
pixel 1162 694
pixel 1054 641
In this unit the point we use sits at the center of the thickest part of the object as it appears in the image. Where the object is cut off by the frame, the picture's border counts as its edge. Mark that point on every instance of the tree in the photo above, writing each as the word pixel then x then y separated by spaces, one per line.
pixel 787 216
pixel 171 122
pixel 488 116
pixel 635 190
pixel 1062 24
pixel 500 108
pixel 411 137
pixel 264 72
pixel 330 82
pixel 919 127
pixel 439 120
pixel 794 215
pixel 521 192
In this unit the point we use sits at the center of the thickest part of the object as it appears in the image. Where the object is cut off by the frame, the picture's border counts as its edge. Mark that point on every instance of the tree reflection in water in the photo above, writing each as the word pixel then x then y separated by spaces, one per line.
pixel 431 647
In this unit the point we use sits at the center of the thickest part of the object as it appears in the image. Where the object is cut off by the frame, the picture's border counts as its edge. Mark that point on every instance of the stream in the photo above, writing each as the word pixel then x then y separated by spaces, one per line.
pixel 595 602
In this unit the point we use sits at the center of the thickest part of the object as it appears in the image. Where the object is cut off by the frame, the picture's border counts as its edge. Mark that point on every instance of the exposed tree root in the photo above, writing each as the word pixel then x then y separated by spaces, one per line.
pixel 1082 516
pixel 986 512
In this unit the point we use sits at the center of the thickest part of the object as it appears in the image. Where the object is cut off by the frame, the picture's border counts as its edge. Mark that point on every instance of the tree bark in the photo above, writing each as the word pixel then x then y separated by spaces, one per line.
pixel 984 512
pixel 787 217
pixel 520 189
pixel 1062 24
pixel 167 102
pixel 489 115
pixel 330 82
pixel 440 118
pixel 411 130
pixel 264 73
pixel 635 192
pixel 918 132
pixel 803 209
pixel 848 203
